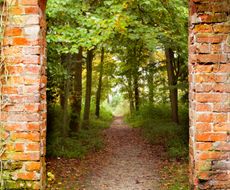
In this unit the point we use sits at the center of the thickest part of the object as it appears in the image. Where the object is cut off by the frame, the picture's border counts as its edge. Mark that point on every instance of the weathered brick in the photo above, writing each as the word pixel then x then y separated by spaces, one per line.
pixel 26 176
pixel 32 20
pixel 13 32
pixel 31 10
pixel 204 146
pixel 32 31
pixel 221 28
pixel 19 147
pixel 20 41
pixel 212 155
pixel 203 107
pixel 213 17
pixel 203 48
pixel 203 127
pixel 211 137
pixel 222 146
pixel 203 28
pixel 15 10
pixel 33 147
pixel 203 165
pixel 24 156
pixel 209 58
pixel 12 51
pixel 216 48
pixel 29 2
pixel 9 90
pixel 25 136
pixel 31 50
pixel 25 127
pixel 210 78
pixel 14 70
pixel 32 108
pixel 221 127
pixel 221 107
pixel 215 97
pixel 210 38
pixel 220 118
pixel 213 8
pixel 33 166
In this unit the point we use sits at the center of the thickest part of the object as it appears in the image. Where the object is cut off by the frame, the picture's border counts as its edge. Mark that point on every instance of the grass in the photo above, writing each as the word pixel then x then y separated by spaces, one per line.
pixel 158 129
pixel 77 145
pixel 174 176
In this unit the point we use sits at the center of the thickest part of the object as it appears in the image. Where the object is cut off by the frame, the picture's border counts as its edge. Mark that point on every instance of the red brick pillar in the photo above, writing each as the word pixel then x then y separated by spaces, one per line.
pixel 209 78
pixel 23 116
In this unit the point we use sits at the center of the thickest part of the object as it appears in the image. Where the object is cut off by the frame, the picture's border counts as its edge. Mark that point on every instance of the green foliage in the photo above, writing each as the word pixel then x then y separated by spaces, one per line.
pixel 77 145
pixel 159 129
pixel 106 115
pixel 134 34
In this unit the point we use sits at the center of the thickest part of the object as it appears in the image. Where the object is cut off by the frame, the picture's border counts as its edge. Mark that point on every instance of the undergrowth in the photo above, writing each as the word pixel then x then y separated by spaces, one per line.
pixel 158 128
pixel 77 145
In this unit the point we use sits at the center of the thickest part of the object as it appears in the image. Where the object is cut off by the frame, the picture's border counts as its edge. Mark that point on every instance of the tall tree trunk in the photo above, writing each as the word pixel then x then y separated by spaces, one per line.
pixel 150 85
pixel 98 94
pixel 172 82
pixel 65 95
pixel 130 93
pixel 89 61
pixel 136 92
pixel 62 96
pixel 77 93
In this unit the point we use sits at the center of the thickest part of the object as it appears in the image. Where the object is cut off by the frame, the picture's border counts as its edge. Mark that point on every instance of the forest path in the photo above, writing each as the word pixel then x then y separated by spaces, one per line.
pixel 128 162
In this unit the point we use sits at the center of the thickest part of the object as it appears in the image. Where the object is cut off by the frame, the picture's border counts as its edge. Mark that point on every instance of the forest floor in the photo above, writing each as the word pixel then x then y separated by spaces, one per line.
pixel 128 162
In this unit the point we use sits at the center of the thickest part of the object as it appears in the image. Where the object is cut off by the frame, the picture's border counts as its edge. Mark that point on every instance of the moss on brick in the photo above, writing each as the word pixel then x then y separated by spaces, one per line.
pixel 12 165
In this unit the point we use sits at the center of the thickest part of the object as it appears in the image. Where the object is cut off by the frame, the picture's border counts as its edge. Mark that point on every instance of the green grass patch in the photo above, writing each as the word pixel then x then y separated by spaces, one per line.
pixel 175 176
pixel 158 128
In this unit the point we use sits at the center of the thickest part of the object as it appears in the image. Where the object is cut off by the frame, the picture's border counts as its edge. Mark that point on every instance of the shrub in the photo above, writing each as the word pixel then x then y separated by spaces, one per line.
pixel 76 145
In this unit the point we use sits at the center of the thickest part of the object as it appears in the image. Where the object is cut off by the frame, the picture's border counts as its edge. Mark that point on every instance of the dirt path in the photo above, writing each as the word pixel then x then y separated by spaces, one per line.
pixel 128 162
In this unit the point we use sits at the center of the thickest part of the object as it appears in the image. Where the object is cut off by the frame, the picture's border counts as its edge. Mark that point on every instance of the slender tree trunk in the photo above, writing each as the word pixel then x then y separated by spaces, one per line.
pixel 77 93
pixel 136 92
pixel 172 82
pixel 130 93
pixel 65 96
pixel 62 97
pixel 150 86
pixel 89 61
pixel 98 94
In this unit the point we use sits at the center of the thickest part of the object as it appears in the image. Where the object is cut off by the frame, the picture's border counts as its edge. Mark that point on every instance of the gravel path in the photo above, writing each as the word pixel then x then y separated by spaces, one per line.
pixel 127 163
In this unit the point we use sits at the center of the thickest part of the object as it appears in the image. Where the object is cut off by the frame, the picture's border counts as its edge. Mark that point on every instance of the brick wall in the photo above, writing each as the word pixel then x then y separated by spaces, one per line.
pixel 209 80
pixel 23 118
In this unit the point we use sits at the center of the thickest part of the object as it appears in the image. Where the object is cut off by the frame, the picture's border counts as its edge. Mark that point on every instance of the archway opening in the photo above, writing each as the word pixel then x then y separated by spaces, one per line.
pixel 124 57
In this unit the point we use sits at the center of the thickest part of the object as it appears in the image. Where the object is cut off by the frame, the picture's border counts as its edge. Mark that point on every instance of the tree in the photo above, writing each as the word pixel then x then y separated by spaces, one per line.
pixel 172 81
pixel 98 94
pixel 76 103
pixel 89 62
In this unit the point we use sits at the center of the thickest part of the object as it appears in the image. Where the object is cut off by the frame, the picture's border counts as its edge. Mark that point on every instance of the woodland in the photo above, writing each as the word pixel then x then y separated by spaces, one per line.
pixel 118 58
